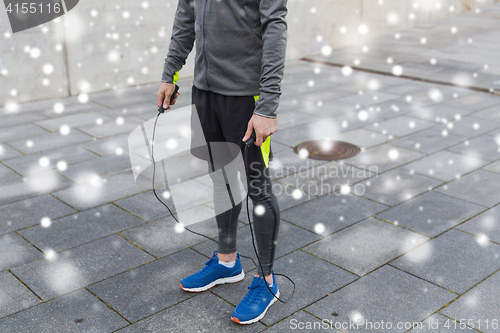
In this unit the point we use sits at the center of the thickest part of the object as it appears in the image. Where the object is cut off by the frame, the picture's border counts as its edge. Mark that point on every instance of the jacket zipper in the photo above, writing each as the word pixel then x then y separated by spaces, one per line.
pixel 204 53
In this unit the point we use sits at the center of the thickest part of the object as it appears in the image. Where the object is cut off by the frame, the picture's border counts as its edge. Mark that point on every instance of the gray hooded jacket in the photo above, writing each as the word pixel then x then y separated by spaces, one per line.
pixel 240 48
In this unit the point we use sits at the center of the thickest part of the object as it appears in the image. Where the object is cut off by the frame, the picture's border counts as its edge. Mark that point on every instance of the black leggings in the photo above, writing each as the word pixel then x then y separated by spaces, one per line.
pixel 225 119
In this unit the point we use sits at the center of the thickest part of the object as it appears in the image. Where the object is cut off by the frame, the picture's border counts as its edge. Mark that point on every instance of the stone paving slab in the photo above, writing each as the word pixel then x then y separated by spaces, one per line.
pixel 318 102
pixel 15 251
pixel 7 152
pixel 386 294
pixel 287 162
pixel 23 131
pixel 491 113
pixel 469 126
pixel 80 228
pixel 370 84
pixel 320 109
pixel 324 95
pixel 331 213
pixel 401 126
pixel 395 108
pixel 300 321
pixel 14 296
pixel 107 146
pixel 288 197
pixel 150 288
pixel 445 165
pixel 360 118
pixel 33 163
pixel 78 311
pixel 144 205
pixel 480 304
pixel 440 113
pixel 7 174
pixel 493 167
pixel 73 269
pixel 38 106
pixel 327 178
pixel 475 102
pixel 366 245
pixel 362 138
pixel 485 195
pixel 70 108
pixel 14 119
pixel 111 127
pixel 406 88
pixel 426 99
pixel 316 130
pixel 73 120
pixel 454 260
pixel 49 141
pixel 193 194
pixel 396 186
pixel 211 314
pixel 304 269
pixel 483 147
pixel 428 141
pixel 104 166
pixel 454 54
pixel 126 96
pixel 485 224
pixel 437 323
pixel 431 213
pixel 294 118
pixel 383 157
pixel 163 237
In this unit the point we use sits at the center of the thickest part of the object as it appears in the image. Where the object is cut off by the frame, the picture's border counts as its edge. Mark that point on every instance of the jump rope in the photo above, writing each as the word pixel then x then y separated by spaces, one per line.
pixel 250 141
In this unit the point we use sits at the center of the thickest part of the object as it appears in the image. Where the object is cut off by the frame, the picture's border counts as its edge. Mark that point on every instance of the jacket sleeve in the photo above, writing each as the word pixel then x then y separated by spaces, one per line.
pixel 181 42
pixel 274 37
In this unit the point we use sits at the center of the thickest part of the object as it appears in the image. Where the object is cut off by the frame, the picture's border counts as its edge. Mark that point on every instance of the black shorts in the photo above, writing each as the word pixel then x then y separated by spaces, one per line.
pixel 225 119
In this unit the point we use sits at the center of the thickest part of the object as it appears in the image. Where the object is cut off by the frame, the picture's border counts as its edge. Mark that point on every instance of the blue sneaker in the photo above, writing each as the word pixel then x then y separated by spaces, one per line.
pixel 255 304
pixel 212 274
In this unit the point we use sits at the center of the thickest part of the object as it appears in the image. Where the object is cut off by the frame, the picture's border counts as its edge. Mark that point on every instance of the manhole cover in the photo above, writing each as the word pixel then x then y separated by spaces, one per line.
pixel 327 150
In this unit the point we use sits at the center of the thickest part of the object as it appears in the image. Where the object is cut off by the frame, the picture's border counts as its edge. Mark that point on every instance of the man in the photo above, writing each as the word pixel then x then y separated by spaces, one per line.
pixel 239 65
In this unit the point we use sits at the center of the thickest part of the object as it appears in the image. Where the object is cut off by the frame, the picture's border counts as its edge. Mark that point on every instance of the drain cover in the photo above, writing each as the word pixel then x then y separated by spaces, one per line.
pixel 327 150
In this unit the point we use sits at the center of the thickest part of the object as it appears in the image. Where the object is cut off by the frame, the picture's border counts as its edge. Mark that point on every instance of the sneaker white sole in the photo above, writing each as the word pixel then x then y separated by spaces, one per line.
pixel 232 279
pixel 251 321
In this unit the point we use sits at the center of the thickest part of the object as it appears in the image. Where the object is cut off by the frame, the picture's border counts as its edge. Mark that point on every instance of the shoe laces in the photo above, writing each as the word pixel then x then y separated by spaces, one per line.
pixel 255 291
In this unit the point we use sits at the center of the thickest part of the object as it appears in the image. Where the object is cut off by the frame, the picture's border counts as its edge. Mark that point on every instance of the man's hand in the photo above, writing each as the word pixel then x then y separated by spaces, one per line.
pixel 166 90
pixel 263 127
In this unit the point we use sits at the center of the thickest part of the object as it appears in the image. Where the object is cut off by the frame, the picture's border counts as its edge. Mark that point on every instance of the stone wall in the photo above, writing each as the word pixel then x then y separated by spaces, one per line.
pixel 337 23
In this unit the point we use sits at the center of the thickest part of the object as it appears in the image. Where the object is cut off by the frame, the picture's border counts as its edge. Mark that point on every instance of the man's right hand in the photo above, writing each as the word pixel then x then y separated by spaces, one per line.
pixel 166 90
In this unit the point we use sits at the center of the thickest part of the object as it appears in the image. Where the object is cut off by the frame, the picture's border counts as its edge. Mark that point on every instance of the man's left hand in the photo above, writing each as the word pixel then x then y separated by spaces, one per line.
pixel 263 127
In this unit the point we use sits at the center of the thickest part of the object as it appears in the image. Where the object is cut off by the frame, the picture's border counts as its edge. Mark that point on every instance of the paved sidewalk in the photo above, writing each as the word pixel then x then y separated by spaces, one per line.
pixel 407 231
pixel 457 50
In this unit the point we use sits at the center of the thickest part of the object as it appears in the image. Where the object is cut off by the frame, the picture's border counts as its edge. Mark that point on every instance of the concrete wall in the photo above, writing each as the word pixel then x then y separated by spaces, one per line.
pixel 102 45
